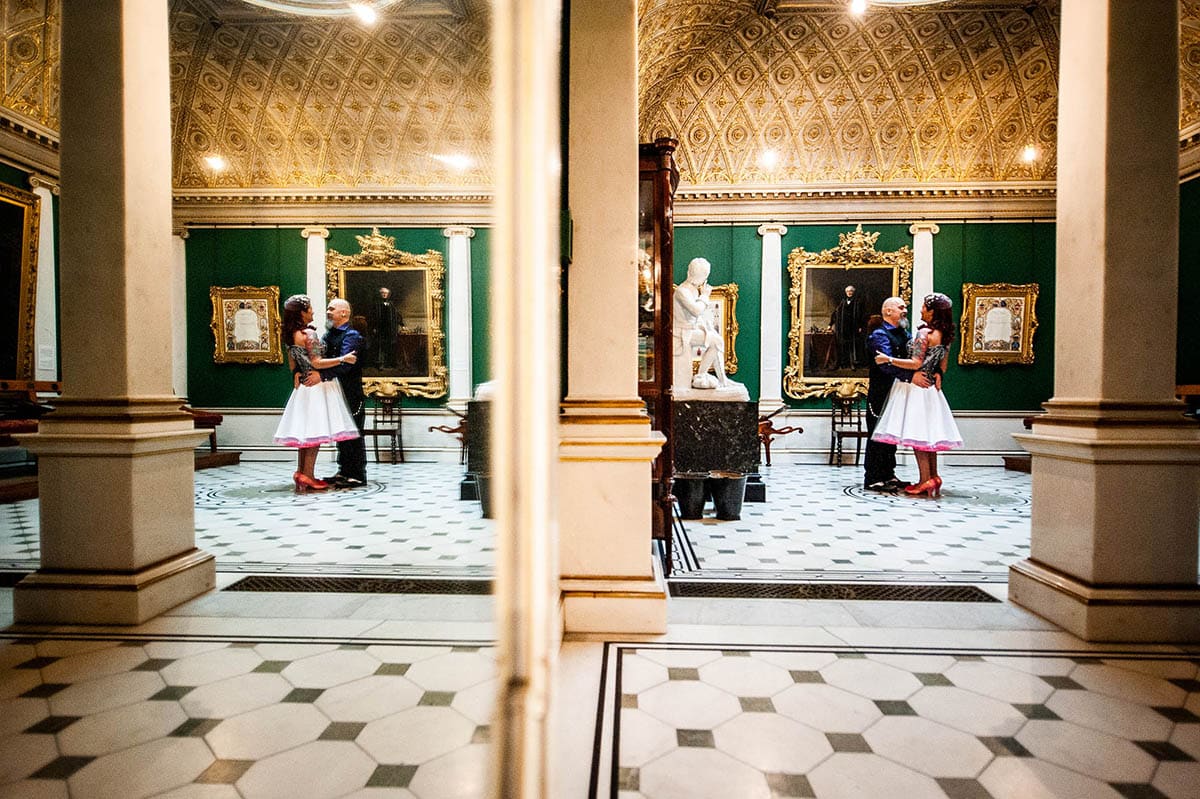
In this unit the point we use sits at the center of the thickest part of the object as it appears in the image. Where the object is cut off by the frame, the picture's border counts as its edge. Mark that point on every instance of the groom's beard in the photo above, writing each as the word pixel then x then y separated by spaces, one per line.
pixel 329 325
pixel 903 323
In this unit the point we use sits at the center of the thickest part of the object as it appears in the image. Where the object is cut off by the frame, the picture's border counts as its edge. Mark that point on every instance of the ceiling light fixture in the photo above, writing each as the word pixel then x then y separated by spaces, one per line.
pixel 768 159
pixel 365 13
pixel 858 7
pixel 216 162
pixel 1029 154
pixel 456 161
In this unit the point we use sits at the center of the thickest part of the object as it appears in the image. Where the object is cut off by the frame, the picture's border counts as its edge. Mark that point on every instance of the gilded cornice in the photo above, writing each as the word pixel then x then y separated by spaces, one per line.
pixel 31 63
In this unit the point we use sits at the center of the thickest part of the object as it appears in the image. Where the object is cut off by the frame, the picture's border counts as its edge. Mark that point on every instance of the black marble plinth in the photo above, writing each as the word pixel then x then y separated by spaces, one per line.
pixel 479 436
pixel 716 436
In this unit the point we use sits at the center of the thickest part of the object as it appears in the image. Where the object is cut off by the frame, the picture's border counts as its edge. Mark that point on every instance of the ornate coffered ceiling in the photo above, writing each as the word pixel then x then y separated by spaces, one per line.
pixel 894 97
pixel 297 103
pixel 928 96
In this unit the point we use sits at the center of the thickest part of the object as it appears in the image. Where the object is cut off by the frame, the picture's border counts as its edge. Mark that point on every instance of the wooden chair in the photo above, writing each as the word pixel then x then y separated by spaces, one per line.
pixel 384 421
pixel 845 421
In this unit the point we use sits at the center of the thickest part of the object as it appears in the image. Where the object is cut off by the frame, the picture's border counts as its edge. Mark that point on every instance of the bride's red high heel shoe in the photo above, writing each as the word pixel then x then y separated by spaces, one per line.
pixel 304 483
pixel 931 487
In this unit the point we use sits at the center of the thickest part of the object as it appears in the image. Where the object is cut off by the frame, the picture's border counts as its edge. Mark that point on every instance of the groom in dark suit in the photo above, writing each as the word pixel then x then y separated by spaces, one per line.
pixel 342 339
pixel 890 338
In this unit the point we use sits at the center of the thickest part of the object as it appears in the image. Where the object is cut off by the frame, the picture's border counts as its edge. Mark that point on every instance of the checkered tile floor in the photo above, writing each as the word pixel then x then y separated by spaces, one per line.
pixel 818 722
pixel 818 523
pixel 217 719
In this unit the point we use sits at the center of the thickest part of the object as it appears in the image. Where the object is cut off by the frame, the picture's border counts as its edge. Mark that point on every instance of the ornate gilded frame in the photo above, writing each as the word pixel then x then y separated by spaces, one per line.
pixel 19 282
pixel 346 274
pixel 855 251
pixel 263 301
pixel 724 299
pixel 980 346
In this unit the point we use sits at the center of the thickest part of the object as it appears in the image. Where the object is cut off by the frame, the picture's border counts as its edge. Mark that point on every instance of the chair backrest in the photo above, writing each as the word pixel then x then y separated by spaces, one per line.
pixel 388 410
pixel 846 413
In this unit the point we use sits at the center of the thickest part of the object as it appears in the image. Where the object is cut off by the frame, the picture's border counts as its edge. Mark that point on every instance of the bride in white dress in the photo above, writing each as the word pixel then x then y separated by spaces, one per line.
pixel 920 417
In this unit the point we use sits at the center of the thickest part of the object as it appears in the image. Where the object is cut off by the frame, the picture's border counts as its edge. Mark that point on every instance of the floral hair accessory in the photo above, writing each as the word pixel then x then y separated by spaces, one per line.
pixel 938 301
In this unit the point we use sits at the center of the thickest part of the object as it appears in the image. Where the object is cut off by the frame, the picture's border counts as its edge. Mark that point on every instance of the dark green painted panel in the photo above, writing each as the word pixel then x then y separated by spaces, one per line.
pixel 17 178
pixel 481 307
pixel 1187 364
pixel 237 257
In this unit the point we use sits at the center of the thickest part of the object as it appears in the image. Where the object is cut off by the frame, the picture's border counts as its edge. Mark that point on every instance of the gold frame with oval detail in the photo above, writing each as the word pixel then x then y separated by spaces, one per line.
pixel 406 347
pixel 815 279
pixel 998 323
pixel 245 324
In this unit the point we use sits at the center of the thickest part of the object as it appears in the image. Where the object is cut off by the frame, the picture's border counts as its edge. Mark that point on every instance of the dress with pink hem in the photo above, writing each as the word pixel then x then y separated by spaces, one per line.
pixel 314 415
pixel 919 417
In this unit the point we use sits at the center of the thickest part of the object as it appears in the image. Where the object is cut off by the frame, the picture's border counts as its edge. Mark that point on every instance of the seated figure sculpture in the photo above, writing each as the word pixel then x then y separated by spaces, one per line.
pixel 692 326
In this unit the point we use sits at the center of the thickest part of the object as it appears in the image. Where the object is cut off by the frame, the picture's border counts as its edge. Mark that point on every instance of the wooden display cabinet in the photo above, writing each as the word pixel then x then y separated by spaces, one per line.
pixel 658 178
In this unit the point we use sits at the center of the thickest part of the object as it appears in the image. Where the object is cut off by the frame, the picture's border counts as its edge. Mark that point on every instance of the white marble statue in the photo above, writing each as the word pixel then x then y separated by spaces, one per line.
pixel 692 326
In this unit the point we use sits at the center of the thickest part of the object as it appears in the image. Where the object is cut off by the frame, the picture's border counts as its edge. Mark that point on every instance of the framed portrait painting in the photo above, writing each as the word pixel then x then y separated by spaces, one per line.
pixel 396 300
pixel 245 324
pixel 833 295
pixel 998 323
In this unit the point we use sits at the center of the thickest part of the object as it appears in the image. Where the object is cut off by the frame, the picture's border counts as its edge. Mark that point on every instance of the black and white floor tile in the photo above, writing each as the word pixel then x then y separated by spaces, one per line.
pixel 694 722
pixel 96 719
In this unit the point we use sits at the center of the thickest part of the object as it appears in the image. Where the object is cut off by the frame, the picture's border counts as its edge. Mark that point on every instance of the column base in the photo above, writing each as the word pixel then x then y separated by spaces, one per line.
pixel 1107 613
pixel 613 605
pixel 113 598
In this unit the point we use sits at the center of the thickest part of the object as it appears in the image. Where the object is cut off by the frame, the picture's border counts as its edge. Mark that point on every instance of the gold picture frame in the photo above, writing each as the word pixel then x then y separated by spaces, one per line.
pixel 998 323
pixel 20 213
pixel 245 324
pixel 822 361
pixel 404 330
pixel 722 311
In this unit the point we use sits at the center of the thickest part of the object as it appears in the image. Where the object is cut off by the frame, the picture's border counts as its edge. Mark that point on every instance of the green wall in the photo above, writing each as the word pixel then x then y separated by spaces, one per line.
pixel 277 257
pixel 237 257
pixel 963 252
pixel 1187 364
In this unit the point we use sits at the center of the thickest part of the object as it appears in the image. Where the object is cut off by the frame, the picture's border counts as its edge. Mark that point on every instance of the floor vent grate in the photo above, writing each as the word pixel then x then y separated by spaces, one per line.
pixel 839 591
pixel 360 585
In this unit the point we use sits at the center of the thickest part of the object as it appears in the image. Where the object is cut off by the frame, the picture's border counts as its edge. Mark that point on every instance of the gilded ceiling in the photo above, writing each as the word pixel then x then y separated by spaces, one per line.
pixel 935 95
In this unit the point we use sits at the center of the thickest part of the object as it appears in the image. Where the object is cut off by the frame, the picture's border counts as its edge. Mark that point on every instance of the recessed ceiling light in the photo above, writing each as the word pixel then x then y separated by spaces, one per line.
pixel 768 159
pixel 216 163
pixel 1029 154
pixel 455 160
pixel 365 13
pixel 858 7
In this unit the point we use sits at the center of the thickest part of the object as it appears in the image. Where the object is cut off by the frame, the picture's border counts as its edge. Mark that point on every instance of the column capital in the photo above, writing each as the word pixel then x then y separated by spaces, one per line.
pixel 315 230
pixel 923 227
pixel 772 227
pixel 458 230
pixel 43 182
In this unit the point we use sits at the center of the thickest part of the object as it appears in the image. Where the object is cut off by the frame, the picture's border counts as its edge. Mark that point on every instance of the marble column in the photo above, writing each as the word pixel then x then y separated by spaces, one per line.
pixel 458 284
pixel 45 333
pixel 610 580
pixel 770 388
pixel 115 458
pixel 1116 466
pixel 922 276
pixel 525 356
pixel 314 273
pixel 179 311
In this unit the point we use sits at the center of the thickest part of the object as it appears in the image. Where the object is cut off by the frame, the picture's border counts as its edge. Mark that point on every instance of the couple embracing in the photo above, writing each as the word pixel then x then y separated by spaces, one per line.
pixel 327 404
